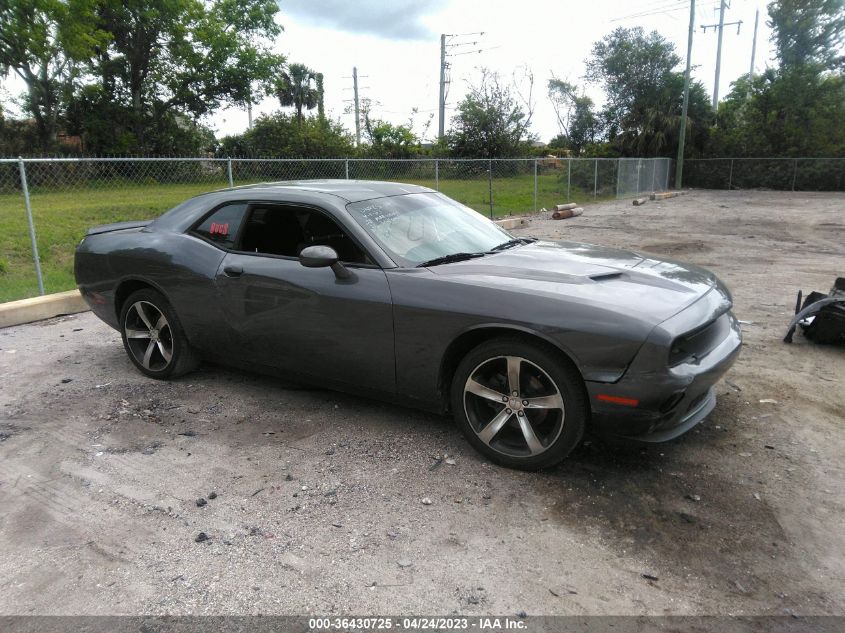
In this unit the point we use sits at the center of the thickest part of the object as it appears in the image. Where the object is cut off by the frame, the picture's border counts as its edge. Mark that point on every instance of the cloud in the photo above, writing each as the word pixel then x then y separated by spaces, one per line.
pixel 390 19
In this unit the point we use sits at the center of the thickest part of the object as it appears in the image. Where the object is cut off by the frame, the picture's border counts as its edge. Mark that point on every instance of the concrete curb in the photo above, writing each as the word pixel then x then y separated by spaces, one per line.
pixel 39 308
pixel 511 223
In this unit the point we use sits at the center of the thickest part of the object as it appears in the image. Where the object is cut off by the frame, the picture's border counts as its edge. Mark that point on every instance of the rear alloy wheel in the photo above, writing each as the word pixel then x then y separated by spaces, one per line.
pixel 153 337
pixel 519 403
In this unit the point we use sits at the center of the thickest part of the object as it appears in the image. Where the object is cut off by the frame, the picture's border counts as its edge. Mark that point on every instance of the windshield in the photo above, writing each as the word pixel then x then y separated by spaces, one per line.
pixel 419 227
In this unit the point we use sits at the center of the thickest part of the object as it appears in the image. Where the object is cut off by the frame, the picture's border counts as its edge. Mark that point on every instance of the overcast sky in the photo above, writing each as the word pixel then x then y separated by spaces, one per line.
pixel 396 43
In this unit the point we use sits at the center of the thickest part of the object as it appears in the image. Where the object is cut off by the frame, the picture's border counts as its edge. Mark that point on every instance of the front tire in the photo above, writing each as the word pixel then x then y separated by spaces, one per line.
pixel 519 403
pixel 153 337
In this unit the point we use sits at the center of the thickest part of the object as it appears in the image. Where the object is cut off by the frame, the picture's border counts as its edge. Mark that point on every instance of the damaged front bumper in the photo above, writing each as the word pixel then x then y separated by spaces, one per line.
pixel 661 397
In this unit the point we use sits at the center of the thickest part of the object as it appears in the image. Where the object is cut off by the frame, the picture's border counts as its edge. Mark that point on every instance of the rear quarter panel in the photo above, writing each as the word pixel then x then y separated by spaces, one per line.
pixel 182 267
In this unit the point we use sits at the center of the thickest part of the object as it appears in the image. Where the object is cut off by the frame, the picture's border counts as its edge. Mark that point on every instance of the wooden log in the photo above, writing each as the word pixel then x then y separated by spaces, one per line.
pixel 566 207
pixel 567 213
pixel 663 195
pixel 640 201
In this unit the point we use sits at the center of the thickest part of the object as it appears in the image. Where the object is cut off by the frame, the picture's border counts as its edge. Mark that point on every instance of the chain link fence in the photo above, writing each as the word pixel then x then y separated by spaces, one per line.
pixel 779 174
pixel 46 205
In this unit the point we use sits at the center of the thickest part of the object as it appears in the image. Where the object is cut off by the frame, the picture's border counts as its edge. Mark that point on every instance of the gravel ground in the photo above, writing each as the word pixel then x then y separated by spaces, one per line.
pixel 326 503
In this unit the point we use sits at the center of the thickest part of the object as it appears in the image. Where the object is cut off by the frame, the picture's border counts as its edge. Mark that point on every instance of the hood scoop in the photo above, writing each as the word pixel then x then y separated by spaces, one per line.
pixel 605 276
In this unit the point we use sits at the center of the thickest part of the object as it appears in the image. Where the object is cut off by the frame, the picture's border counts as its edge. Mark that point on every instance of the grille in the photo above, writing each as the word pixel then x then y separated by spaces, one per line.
pixel 690 347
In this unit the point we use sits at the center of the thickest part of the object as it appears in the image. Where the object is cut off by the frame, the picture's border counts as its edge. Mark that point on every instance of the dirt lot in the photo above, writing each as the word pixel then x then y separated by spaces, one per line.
pixel 319 495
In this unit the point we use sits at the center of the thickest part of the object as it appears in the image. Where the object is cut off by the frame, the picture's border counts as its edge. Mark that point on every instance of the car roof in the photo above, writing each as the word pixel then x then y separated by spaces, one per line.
pixel 348 190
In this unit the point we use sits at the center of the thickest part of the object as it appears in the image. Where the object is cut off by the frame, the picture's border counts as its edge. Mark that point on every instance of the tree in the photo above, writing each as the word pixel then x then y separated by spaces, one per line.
pixel 808 32
pixel 283 135
pixel 166 57
pixel 645 93
pixel 562 95
pixel 585 127
pixel 632 67
pixel 43 43
pixel 16 137
pixel 489 123
pixel 576 118
pixel 796 109
pixel 782 114
pixel 295 89
pixel 386 140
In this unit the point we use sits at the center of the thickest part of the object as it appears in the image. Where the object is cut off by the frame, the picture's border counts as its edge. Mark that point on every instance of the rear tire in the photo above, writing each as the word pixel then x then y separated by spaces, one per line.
pixel 519 403
pixel 153 336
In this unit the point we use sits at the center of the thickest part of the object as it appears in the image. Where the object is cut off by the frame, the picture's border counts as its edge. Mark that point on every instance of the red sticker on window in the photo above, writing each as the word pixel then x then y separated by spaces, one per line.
pixel 219 229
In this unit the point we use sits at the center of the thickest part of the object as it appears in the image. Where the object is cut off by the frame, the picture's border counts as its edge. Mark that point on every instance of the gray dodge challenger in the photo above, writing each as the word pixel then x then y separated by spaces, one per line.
pixel 398 292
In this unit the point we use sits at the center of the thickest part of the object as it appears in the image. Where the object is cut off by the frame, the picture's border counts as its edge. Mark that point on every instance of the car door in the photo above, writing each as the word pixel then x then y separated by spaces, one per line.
pixel 306 320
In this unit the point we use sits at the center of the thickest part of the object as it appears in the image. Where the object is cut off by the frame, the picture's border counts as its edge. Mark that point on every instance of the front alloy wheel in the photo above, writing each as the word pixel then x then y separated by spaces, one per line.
pixel 520 403
pixel 513 406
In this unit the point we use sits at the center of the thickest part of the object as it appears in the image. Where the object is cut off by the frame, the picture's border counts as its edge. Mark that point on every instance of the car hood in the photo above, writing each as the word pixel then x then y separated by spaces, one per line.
pixel 611 279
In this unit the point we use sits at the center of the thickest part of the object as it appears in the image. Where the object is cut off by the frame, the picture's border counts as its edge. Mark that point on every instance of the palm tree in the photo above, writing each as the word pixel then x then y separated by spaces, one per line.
pixel 295 89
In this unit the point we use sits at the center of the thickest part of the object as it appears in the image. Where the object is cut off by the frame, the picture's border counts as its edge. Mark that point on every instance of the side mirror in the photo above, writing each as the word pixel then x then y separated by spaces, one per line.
pixel 323 257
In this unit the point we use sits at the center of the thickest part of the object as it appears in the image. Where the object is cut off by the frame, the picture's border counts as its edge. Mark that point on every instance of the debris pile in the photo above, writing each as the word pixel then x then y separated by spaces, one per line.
pixel 821 317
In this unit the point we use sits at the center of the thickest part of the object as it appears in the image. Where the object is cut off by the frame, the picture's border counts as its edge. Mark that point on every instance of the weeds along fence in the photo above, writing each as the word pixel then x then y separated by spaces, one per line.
pixel 46 205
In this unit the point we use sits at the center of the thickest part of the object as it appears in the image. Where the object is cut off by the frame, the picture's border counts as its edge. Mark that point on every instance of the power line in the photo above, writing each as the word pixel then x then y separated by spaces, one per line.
pixel 645 12
pixel 656 10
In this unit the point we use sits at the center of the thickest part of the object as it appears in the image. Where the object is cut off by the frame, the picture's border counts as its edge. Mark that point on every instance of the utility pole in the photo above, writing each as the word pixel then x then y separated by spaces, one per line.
pixel 446 45
pixel 679 164
pixel 719 55
pixel 355 100
pixel 754 44
pixel 357 107
pixel 249 113
pixel 720 27
pixel 441 104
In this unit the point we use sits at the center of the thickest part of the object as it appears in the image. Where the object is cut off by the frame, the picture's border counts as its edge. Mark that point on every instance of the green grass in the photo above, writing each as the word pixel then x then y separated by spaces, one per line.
pixel 63 216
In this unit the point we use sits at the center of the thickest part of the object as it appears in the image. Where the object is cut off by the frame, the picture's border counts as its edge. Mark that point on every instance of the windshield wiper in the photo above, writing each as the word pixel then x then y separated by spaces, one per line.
pixel 514 242
pixel 448 259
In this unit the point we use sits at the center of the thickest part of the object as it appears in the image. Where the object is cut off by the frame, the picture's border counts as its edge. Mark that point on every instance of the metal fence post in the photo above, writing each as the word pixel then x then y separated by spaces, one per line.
pixel 731 175
pixel 28 207
pixel 346 162
pixel 653 172
pixel 229 169
pixel 618 178
pixel 490 184
pixel 568 179
pixel 639 166
pixel 535 185
pixel 596 180
pixel 437 174
pixel 794 172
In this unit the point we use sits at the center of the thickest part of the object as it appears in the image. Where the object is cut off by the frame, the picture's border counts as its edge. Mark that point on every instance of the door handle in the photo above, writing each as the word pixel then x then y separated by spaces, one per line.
pixel 233 271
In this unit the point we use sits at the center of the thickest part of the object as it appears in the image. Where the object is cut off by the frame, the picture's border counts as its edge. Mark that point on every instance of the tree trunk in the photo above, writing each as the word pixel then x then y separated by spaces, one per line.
pixel 43 109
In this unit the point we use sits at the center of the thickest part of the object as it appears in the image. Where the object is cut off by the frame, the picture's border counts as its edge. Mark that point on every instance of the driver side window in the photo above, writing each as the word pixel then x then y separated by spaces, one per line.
pixel 283 230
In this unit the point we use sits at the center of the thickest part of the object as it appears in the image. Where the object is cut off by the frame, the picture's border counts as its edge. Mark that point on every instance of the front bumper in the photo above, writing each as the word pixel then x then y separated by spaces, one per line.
pixel 655 402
